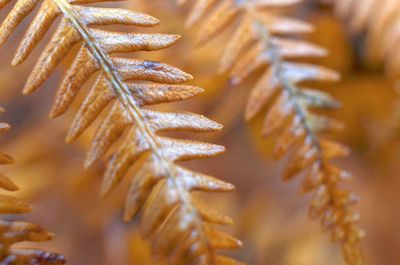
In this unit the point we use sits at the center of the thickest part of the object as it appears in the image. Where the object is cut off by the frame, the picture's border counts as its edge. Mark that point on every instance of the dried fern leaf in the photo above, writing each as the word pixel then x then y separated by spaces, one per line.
pixel 260 41
pixel 175 223
pixel 12 232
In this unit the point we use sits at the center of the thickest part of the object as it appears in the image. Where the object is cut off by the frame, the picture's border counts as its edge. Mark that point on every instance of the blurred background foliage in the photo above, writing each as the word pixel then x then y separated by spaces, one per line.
pixel 270 218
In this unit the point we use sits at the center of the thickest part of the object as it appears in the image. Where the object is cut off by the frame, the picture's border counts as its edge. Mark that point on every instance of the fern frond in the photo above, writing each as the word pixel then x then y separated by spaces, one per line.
pixel 12 232
pixel 177 225
pixel 260 40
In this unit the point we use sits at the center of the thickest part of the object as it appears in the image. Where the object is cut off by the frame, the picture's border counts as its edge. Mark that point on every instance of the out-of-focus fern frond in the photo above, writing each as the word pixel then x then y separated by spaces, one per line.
pixel 260 41
pixel 380 19
pixel 12 232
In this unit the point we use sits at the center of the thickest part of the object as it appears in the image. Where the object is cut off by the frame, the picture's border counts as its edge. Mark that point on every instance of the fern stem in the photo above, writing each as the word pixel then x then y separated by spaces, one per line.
pixel 276 62
pixel 128 101
pixel 292 91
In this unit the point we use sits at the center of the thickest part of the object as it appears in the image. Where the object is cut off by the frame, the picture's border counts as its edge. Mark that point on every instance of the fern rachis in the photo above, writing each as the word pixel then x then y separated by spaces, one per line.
pixel 174 221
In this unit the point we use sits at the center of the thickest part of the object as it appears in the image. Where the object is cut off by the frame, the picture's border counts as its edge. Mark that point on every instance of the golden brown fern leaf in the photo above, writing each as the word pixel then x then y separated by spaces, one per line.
pixel 12 232
pixel 380 19
pixel 178 226
pixel 260 40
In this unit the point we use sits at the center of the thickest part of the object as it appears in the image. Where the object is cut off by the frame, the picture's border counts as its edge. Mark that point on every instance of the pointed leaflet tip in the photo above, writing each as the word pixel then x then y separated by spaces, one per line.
pixel 142 19
pixel 52 115
pixel 175 37
pixel 91 158
pixel 197 90
pixel 217 126
pixel 69 139
pixel 88 162
pixel 221 240
pixel 7 183
pixel 49 236
pixel 16 60
pixel 26 91
pixel 187 76
pixel 4 127
pixel 29 87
